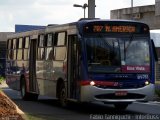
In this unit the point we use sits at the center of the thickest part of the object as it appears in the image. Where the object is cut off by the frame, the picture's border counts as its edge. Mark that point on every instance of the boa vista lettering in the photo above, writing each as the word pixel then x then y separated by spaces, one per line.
pixel 135 68
pixel 126 68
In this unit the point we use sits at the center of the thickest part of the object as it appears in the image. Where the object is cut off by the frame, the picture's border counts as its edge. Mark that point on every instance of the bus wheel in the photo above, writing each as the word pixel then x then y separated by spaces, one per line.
pixel 121 106
pixel 26 95
pixel 33 96
pixel 63 96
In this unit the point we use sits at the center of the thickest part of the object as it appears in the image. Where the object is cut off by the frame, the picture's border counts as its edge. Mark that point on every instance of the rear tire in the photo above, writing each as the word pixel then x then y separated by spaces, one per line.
pixel 63 96
pixel 26 95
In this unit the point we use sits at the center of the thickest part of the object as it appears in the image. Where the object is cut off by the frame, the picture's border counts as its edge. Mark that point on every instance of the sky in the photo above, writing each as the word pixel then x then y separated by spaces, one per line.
pixel 44 12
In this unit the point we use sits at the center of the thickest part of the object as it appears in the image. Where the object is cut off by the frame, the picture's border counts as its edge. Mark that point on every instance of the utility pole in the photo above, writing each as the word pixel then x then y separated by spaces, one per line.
pixel 91 8
pixel 131 9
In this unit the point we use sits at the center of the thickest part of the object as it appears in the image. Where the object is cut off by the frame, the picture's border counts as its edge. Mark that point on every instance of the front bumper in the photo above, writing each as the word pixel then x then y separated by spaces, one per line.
pixel 92 93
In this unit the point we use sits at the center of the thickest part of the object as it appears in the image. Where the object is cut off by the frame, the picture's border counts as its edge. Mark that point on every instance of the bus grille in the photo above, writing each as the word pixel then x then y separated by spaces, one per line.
pixel 124 85
pixel 113 96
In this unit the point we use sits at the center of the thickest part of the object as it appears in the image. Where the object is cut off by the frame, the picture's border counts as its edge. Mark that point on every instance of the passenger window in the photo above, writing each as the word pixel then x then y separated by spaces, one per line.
pixel 14 49
pixel 8 48
pixel 49 54
pixel 14 43
pixel 41 49
pixel 9 44
pixel 41 54
pixel 19 54
pixel 49 40
pixel 20 43
pixel 60 47
pixel 14 54
pixel 61 38
pixel 41 41
pixel 26 44
pixel 25 54
pixel 49 47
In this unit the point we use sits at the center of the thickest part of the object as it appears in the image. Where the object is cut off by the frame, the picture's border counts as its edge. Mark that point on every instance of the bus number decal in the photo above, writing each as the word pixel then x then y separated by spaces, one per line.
pixel 142 76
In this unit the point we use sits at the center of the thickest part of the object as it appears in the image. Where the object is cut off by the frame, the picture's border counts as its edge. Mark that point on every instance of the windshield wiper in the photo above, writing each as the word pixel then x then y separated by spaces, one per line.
pixel 130 40
pixel 126 47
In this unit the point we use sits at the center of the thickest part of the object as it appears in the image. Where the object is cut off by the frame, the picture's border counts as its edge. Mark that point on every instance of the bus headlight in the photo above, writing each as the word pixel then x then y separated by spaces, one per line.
pixel 92 83
pixel 146 82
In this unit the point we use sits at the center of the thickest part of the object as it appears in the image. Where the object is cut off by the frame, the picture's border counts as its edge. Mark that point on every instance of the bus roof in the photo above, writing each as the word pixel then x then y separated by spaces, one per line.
pixel 27 33
pixel 109 20
pixel 77 24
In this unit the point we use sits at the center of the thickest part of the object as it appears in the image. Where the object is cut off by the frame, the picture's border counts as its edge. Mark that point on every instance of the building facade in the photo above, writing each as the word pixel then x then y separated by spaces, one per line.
pixel 148 14
pixel 3 39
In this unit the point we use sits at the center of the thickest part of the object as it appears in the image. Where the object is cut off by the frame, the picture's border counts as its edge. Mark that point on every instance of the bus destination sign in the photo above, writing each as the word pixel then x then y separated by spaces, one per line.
pixel 114 28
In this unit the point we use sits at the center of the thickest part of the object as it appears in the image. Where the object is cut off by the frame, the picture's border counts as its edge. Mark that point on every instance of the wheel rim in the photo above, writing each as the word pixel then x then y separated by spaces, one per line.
pixel 23 91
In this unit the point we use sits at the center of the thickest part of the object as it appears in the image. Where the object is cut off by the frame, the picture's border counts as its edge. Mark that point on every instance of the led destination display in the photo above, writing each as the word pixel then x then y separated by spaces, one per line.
pixel 115 28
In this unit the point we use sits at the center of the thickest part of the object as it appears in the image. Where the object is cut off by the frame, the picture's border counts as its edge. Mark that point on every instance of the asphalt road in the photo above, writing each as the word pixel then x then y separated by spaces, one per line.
pixel 49 109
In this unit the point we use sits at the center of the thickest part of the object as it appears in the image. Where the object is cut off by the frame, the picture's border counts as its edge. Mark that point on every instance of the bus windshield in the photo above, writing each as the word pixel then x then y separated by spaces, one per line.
pixel 118 54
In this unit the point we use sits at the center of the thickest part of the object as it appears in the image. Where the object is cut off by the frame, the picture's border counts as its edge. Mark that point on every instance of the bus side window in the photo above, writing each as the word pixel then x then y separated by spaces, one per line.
pixel 41 50
pixel 60 48
pixel 25 46
pixel 19 48
pixel 9 47
pixel 14 49
pixel 9 44
pixel 49 48
pixel 61 38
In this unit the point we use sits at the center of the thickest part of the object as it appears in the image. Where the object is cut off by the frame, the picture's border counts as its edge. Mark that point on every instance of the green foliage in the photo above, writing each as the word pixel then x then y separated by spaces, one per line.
pixel 1 79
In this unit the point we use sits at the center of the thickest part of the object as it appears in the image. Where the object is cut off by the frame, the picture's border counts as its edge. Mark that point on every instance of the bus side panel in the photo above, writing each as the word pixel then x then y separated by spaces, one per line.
pixel 48 72
pixel 50 87
pixel 12 77
pixel 40 76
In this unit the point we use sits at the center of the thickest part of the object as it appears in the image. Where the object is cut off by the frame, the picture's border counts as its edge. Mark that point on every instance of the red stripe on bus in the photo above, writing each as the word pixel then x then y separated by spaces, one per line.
pixel 85 82
pixel 105 83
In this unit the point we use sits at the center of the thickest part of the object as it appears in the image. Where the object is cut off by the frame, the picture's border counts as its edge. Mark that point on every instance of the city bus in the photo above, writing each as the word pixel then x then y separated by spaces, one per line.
pixel 108 61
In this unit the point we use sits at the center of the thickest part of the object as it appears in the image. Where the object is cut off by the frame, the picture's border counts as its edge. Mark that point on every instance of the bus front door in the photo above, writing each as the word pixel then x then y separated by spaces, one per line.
pixel 73 68
pixel 32 66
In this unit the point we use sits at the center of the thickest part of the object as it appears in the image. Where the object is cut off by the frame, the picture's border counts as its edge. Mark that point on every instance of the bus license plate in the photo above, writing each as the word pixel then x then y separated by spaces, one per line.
pixel 120 93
